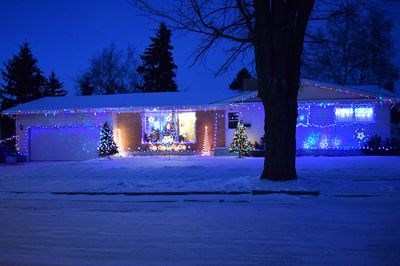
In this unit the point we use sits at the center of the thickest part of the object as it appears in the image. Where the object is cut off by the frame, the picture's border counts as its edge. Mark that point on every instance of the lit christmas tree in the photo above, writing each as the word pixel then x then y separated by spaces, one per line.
pixel 206 151
pixel 241 143
pixel 106 145
pixel 170 128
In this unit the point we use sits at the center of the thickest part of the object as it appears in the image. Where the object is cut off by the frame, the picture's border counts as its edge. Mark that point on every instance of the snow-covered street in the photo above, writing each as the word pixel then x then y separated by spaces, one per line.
pixel 228 230
pixel 355 220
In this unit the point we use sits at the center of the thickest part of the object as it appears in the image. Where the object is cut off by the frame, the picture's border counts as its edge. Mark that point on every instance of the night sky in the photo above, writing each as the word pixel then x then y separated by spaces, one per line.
pixel 64 35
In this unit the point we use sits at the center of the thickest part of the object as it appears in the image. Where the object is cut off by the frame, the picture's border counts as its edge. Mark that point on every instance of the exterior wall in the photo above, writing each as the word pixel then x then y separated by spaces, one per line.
pixel 324 133
pixel 321 131
pixel 26 122
pixel 253 114
pixel 130 126
pixel 215 122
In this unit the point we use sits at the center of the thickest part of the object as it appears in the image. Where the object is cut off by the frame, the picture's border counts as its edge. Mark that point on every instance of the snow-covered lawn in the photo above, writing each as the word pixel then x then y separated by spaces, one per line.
pixel 354 221
pixel 329 175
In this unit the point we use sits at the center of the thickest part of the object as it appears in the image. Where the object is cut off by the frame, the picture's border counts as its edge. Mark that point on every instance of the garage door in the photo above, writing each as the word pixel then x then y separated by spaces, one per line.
pixel 57 144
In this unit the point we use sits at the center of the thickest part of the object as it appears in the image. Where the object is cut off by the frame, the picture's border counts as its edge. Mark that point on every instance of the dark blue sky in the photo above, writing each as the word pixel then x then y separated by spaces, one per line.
pixel 65 34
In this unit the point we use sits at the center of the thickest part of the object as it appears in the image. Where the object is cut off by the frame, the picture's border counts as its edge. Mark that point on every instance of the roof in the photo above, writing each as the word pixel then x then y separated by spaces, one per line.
pixel 315 90
pixel 130 101
pixel 309 90
pixel 321 91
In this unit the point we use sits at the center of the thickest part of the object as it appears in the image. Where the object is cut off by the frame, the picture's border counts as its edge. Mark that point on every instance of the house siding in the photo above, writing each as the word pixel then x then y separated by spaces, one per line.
pixel 24 123
pixel 251 114
pixel 321 126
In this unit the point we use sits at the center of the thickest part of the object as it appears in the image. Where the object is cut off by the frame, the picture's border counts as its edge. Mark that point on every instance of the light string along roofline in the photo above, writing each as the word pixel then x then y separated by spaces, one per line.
pixel 8 139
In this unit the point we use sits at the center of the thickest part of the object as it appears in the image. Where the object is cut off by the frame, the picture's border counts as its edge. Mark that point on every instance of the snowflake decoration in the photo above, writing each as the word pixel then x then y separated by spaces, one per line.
pixel 360 135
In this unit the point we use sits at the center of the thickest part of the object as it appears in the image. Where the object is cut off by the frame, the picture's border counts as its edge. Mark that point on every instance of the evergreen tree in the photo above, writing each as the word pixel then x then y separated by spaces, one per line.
pixel 53 86
pixel 237 83
pixel 24 80
pixel 85 85
pixel 240 143
pixel 158 68
pixel 106 145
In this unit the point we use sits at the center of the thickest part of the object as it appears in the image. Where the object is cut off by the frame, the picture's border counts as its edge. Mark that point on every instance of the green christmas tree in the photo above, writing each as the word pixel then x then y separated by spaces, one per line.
pixel 106 145
pixel 241 143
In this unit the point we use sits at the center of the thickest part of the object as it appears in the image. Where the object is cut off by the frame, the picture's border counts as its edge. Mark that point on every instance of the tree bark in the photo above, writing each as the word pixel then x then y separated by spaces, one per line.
pixel 280 133
pixel 278 44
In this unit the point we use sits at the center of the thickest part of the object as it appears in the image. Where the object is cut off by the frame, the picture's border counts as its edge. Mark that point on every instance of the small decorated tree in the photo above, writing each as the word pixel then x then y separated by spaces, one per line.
pixel 106 145
pixel 240 143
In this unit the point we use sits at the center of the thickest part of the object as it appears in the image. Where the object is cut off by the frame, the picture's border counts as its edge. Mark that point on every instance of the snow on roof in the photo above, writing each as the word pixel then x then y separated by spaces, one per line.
pixel 353 92
pixel 310 90
pixel 375 90
pixel 127 101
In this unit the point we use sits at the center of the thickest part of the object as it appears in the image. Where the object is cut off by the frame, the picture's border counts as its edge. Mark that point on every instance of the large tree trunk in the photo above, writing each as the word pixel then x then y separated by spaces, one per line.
pixel 280 133
pixel 278 45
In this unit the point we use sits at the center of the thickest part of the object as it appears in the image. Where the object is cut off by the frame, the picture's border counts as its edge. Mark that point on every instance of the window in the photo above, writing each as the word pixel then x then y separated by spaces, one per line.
pixel 364 114
pixel 233 120
pixel 163 127
pixel 344 115
pixel 187 126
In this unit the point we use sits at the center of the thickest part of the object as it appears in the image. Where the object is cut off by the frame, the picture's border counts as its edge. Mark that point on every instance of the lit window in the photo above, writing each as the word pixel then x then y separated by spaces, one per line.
pixel 187 125
pixel 159 125
pixel 364 114
pixel 344 115
pixel 167 127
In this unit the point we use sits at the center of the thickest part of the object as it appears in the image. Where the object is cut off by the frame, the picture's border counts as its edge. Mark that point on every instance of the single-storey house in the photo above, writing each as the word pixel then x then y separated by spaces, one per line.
pixel 330 118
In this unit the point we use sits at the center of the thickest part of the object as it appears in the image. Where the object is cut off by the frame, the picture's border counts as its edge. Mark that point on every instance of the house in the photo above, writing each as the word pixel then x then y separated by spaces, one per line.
pixel 330 118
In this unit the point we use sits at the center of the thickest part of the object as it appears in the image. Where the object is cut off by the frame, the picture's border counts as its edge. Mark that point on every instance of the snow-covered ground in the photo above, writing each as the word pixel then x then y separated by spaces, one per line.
pixel 329 175
pixel 354 221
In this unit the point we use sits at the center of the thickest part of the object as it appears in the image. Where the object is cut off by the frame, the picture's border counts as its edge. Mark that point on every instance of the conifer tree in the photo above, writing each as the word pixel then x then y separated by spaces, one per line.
pixel 241 143
pixel 85 85
pixel 158 67
pixel 106 146
pixel 24 80
pixel 53 86
pixel 237 83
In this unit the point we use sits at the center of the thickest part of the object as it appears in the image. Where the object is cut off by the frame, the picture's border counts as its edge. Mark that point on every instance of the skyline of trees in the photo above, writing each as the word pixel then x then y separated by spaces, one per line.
pixel 352 48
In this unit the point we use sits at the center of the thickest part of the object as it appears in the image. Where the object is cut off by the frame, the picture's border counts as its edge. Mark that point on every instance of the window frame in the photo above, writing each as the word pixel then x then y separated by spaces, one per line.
pixel 232 123
pixel 160 115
